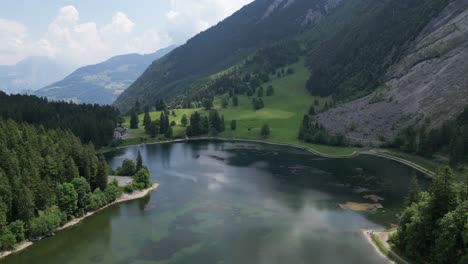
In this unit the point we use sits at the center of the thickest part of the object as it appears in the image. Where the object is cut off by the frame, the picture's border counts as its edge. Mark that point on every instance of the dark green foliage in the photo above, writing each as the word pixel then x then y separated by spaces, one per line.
pixel 265 131
pixel 112 192
pixel 139 162
pixel 91 123
pixel 260 92
pixel 233 125
pixel 83 190
pixel 169 132
pixel 257 103
pixel 225 102
pixel 184 120
pixel 173 123
pixel 164 124
pixel 270 91
pixel 414 190
pixel 315 133
pixel 142 179
pixel 356 45
pixel 153 129
pixel 235 101
pixel 202 125
pixel 160 105
pixel 312 110
pixel 451 138
pixel 146 120
pixel 433 227
pixel 207 103
pixel 67 198
pixel 128 168
pixel 101 175
pixel 46 222
pixel 134 120
pixel 216 124
pixel 38 178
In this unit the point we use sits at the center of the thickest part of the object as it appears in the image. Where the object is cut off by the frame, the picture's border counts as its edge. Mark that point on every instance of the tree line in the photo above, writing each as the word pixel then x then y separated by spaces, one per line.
pixel 91 123
pixel 46 178
pixel 434 226
pixel 451 138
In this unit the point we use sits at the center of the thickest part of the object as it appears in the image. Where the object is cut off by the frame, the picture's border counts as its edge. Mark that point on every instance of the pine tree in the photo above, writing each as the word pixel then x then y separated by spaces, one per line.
pixel 139 161
pixel 101 177
pixel 134 119
pixel 184 120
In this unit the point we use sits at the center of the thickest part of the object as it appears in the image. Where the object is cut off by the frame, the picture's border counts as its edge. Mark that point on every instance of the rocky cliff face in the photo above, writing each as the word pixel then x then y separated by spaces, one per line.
pixel 429 84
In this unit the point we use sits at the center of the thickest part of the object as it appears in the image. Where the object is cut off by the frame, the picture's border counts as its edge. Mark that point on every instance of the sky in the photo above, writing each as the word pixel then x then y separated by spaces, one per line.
pixel 83 32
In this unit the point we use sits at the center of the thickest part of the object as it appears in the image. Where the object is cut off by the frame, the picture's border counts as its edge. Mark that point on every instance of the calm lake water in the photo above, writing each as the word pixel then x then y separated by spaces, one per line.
pixel 226 202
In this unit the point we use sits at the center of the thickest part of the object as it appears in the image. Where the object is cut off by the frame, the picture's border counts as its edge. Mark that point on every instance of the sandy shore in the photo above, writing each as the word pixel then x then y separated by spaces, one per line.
pixel 123 198
pixel 383 237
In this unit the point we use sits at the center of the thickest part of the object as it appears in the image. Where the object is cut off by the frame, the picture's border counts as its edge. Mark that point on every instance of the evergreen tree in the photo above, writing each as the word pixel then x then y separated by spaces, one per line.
pixel 134 119
pixel 235 101
pixel 184 120
pixel 265 131
pixel 270 91
pixel 102 175
pixel 67 198
pixel 233 125
pixel 139 161
pixel 146 120
pixel 414 190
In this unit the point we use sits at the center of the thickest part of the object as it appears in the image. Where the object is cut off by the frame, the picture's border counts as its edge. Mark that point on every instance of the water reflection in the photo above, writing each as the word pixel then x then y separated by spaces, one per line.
pixel 224 202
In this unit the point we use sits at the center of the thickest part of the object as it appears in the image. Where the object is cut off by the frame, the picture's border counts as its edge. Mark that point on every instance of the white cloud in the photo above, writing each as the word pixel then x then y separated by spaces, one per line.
pixel 12 40
pixel 76 42
pixel 187 18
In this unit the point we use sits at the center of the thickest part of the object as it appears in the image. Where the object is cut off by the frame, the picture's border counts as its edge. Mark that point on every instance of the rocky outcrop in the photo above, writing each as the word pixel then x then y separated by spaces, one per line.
pixel 428 85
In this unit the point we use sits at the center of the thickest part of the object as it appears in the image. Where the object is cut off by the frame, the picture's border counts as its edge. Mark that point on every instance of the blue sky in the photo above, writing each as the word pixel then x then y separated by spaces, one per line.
pixel 88 31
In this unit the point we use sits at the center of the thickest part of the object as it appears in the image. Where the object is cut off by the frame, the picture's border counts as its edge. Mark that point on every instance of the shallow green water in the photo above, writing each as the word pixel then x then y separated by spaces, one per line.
pixel 223 202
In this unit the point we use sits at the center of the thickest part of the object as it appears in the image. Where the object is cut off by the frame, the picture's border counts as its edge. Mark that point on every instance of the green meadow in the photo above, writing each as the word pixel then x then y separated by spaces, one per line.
pixel 283 113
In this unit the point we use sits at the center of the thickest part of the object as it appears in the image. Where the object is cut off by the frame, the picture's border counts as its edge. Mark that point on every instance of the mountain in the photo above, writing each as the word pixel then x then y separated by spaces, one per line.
pixel 380 66
pixel 101 83
pixel 254 26
pixel 426 87
pixel 31 74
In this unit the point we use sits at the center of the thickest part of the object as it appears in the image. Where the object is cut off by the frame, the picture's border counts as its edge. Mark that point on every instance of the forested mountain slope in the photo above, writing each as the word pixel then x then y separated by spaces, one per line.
pixel 104 82
pixel 427 86
pixel 89 122
pixel 257 24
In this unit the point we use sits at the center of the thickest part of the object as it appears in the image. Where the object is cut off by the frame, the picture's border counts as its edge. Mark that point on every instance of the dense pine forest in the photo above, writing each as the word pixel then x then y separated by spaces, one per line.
pixel 91 123
pixel 434 226
pixel 450 139
pixel 46 177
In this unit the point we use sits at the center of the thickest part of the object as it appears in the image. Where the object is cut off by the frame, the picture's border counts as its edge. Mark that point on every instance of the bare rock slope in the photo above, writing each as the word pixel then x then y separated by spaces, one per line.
pixel 429 84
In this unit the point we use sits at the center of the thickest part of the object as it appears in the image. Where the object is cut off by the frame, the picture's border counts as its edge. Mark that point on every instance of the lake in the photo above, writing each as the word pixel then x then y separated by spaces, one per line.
pixel 235 202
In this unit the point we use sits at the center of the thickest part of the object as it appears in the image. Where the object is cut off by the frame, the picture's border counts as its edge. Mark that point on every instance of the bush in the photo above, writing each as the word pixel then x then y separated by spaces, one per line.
pixel 142 179
pixel 7 240
pixel 113 191
pixel 47 222
pixel 128 168
pixel 17 229
pixel 265 131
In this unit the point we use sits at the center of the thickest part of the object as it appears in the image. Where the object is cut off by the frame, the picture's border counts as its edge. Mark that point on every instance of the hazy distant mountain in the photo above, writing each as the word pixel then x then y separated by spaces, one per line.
pixel 31 74
pixel 104 82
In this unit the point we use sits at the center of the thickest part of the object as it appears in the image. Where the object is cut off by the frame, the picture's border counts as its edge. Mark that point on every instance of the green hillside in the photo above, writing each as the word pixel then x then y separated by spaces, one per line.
pixel 283 113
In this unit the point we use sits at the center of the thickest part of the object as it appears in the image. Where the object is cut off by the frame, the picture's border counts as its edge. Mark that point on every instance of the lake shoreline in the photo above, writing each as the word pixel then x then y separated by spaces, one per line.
pixel 125 197
pixel 383 235
pixel 373 152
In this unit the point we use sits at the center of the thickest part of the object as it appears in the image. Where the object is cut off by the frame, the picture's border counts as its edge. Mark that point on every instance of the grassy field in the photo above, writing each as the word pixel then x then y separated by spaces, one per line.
pixel 283 113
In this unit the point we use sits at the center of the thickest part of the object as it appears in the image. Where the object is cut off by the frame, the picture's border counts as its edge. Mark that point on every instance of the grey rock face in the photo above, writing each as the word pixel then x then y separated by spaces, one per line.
pixel 430 85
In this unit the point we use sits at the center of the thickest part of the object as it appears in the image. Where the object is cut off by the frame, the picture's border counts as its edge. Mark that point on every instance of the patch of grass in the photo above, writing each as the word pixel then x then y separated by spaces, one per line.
pixel 384 250
pixel 283 113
